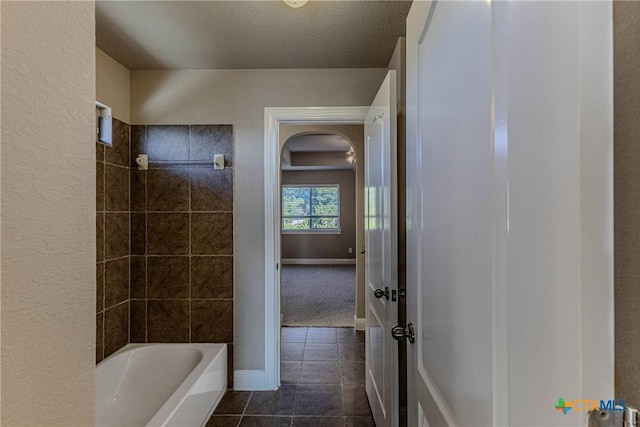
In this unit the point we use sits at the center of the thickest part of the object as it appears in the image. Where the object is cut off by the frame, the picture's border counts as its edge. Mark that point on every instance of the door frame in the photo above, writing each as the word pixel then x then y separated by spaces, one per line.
pixel 273 118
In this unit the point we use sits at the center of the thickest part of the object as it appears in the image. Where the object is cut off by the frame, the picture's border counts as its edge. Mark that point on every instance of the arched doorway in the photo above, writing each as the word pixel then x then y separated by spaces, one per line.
pixel 318 230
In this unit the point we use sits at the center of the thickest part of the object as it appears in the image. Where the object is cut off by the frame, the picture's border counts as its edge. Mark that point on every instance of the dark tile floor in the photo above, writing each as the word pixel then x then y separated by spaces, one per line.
pixel 323 385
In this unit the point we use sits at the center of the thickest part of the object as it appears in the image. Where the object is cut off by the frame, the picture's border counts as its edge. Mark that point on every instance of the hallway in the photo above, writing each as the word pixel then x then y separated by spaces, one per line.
pixel 323 377
pixel 318 295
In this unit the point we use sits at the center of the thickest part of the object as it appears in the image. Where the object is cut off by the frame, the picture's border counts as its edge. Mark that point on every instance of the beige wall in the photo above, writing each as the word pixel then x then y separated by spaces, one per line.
pixel 238 97
pixel 323 245
pixel 627 199
pixel 48 213
pixel 113 85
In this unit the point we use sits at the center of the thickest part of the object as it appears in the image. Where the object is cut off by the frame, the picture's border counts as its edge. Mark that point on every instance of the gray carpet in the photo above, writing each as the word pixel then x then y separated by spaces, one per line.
pixel 318 295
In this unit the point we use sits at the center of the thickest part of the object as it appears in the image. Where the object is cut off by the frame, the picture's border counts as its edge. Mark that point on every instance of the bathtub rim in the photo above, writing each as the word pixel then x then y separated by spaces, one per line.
pixel 211 352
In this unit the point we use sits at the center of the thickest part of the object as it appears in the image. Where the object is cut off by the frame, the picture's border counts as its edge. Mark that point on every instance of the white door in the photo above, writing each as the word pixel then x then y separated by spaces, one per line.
pixel 450 171
pixel 509 204
pixel 381 260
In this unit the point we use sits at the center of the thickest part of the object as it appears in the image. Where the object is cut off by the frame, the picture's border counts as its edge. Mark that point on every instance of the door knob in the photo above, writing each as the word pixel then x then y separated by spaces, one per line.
pixel 399 333
pixel 379 293
pixel 362 251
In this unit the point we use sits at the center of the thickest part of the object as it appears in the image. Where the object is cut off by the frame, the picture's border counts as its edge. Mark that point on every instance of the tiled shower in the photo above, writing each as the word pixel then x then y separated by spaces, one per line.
pixel 178 238
pixel 112 242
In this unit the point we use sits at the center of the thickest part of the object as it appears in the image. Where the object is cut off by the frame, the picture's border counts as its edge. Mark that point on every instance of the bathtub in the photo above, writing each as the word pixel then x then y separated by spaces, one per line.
pixel 160 384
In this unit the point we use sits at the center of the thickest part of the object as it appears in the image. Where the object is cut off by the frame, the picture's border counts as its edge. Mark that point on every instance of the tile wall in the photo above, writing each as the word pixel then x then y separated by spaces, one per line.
pixel 182 237
pixel 112 242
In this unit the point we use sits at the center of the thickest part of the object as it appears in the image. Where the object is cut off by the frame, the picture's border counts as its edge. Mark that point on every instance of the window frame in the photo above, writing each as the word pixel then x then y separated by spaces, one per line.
pixel 310 217
pixel 104 124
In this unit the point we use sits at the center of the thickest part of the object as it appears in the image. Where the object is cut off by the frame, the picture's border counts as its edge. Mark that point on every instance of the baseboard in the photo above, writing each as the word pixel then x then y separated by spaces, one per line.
pixel 313 261
pixel 249 380
pixel 360 323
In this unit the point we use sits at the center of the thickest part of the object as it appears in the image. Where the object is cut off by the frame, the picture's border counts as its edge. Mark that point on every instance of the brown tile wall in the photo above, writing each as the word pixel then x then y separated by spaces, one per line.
pixel 626 41
pixel 182 237
pixel 112 242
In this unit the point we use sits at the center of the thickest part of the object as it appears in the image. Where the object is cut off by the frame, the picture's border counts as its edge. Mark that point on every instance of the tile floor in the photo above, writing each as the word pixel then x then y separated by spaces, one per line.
pixel 322 373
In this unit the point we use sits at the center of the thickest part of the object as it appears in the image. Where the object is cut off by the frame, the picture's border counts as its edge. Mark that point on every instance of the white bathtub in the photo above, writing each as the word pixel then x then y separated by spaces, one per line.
pixel 160 384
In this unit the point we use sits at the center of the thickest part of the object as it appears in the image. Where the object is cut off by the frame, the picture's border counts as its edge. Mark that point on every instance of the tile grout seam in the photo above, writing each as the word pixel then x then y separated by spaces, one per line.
pixel 104 249
pixel 146 251
pixel 130 234
pixel 190 249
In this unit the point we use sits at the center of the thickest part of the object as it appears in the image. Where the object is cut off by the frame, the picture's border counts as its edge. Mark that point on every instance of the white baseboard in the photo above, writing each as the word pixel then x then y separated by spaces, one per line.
pixel 249 380
pixel 360 323
pixel 313 261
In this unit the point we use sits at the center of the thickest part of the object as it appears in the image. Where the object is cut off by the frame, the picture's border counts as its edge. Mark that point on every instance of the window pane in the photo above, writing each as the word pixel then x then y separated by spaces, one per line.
pixel 324 201
pixel 295 223
pixel 324 223
pixel 295 201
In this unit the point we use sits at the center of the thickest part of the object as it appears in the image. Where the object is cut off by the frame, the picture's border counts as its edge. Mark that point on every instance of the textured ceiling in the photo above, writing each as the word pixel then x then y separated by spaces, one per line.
pixel 150 35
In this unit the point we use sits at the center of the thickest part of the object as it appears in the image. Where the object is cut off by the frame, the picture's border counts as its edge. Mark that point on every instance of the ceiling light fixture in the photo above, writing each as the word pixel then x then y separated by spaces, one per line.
pixel 351 156
pixel 295 3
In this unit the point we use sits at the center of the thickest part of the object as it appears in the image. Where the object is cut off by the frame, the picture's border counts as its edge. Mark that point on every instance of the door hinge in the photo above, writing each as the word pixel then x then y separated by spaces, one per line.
pixel 620 417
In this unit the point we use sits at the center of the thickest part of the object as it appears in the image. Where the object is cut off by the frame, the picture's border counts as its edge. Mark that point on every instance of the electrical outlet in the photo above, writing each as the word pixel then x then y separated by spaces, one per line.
pixel 350 250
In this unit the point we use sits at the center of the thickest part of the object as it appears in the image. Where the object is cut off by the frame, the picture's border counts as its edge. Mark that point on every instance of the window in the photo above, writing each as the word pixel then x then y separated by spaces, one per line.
pixel 103 123
pixel 311 208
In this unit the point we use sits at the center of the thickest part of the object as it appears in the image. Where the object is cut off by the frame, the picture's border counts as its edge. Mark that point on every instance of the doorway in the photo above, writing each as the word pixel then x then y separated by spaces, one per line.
pixel 380 235
pixel 319 225
pixel 274 118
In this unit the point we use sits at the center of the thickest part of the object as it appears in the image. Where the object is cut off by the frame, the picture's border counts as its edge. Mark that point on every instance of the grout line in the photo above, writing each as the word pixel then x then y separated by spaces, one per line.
pixel 278 416
pixel 190 250
pixel 146 257
pixel 246 405
pixel 296 385
pixel 104 249
pixel 185 211
pixel 175 166
pixel 116 165
pixel 130 218
pixel 120 258
pixel 184 299
pixel 115 305
pixel 187 255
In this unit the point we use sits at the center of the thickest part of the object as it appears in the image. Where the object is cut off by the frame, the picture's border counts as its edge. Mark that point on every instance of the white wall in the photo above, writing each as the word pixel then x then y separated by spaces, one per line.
pixel 113 86
pixel 238 97
pixel 48 213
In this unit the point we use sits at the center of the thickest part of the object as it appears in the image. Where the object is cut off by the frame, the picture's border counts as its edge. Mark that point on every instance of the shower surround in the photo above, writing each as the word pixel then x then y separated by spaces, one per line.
pixel 164 238
pixel 182 237
pixel 112 242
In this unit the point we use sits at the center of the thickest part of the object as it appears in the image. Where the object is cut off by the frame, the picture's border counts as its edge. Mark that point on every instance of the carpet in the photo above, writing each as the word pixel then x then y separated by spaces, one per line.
pixel 318 295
